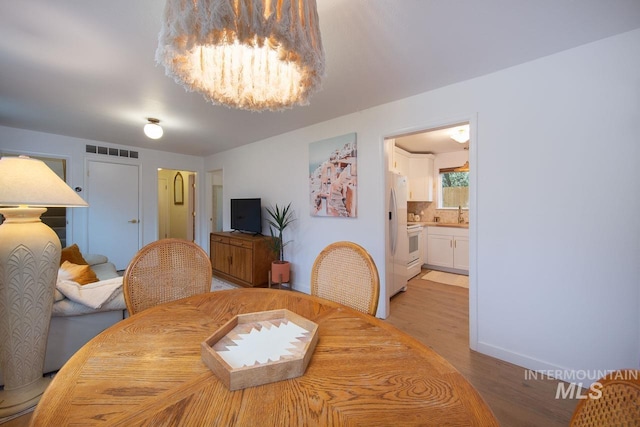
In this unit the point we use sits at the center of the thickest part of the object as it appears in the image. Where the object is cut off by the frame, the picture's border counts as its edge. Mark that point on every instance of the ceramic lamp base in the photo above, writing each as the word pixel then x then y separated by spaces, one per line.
pixel 29 262
pixel 17 400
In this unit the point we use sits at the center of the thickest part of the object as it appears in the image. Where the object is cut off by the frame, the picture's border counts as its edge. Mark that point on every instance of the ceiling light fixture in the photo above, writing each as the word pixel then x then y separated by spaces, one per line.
pixel 460 134
pixel 152 129
pixel 250 54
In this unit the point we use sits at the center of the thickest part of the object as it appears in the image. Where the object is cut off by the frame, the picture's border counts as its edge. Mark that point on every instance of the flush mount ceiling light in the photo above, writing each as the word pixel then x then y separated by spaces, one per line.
pixel 460 134
pixel 152 129
pixel 250 54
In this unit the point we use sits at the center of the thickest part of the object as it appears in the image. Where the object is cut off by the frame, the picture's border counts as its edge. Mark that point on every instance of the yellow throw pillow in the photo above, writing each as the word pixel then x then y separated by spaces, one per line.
pixel 73 255
pixel 81 274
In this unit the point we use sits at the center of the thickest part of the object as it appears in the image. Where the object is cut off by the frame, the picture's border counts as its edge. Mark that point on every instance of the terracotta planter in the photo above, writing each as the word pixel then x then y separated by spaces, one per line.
pixel 280 271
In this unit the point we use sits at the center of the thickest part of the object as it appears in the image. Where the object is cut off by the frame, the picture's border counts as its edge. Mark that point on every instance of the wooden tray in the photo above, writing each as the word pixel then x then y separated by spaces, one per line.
pixel 259 348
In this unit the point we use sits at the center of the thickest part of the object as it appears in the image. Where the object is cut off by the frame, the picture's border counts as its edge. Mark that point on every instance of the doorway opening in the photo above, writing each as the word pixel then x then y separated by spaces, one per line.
pixel 214 195
pixel 176 204
pixel 438 174
pixel 216 201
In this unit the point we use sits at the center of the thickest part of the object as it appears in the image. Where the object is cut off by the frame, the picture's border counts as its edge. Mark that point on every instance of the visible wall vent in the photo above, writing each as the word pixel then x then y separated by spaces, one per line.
pixel 111 151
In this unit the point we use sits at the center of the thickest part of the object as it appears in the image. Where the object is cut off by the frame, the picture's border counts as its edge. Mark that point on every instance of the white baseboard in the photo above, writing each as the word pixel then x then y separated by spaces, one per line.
pixel 541 369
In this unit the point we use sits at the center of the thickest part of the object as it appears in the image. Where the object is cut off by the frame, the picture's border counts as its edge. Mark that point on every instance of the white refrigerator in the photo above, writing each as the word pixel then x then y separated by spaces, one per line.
pixel 398 250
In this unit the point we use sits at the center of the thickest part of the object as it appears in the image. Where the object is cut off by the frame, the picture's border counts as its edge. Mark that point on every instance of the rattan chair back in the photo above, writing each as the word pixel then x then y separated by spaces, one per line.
pixel 612 401
pixel 344 272
pixel 163 271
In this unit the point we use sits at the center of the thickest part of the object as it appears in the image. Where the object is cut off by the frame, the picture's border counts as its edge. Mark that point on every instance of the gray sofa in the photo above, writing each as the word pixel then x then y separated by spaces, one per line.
pixel 73 324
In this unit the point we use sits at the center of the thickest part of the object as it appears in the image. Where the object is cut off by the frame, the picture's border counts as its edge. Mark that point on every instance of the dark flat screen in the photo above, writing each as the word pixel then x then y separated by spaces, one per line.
pixel 246 215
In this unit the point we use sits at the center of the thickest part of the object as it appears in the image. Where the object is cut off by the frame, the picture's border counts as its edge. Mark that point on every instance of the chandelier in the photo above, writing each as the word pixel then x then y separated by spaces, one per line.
pixel 249 54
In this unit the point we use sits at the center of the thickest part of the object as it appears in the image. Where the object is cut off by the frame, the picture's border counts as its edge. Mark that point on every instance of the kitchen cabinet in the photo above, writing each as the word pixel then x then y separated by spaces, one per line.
pixel 418 168
pixel 421 177
pixel 425 245
pixel 243 259
pixel 448 247
pixel 400 161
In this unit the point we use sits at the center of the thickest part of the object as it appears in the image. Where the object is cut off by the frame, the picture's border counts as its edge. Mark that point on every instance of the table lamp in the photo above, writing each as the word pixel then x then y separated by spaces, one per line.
pixel 29 262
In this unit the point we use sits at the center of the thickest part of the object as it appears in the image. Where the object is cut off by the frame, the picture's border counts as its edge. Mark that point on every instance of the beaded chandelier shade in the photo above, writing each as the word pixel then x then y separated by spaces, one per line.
pixel 249 54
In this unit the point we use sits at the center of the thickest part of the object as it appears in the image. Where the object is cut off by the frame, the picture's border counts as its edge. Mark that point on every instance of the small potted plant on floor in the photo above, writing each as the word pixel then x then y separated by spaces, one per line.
pixel 279 219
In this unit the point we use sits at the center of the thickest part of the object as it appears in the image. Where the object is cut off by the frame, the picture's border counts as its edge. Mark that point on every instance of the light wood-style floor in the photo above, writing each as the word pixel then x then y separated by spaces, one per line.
pixel 438 316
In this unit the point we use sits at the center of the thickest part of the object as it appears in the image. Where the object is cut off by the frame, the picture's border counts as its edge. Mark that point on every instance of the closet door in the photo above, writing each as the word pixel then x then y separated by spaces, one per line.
pixel 113 216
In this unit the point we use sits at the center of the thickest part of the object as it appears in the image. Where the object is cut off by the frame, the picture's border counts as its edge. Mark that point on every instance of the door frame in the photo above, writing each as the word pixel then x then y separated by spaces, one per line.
pixel 474 146
pixel 163 207
pixel 191 206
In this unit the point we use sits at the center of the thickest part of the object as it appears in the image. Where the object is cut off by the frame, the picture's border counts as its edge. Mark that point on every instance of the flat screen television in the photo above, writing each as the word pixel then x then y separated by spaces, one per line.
pixel 246 215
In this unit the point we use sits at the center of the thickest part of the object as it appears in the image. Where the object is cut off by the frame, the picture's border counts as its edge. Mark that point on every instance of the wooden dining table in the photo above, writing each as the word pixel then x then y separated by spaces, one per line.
pixel 148 370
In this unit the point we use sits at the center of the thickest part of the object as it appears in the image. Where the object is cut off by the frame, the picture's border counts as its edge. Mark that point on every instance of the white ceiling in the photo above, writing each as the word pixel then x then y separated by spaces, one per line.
pixel 431 141
pixel 86 68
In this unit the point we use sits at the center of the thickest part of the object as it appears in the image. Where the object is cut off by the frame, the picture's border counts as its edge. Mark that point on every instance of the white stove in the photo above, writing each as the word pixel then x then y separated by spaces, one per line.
pixel 414 265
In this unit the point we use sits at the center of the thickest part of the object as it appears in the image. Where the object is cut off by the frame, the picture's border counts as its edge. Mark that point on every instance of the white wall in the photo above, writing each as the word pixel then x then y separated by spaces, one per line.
pixel 19 141
pixel 554 286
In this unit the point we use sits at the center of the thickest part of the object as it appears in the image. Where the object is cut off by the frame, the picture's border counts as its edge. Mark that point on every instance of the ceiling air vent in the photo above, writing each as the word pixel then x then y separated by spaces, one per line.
pixel 111 151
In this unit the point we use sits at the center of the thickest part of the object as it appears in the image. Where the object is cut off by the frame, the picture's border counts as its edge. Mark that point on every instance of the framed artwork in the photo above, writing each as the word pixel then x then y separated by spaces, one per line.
pixel 333 177
pixel 178 189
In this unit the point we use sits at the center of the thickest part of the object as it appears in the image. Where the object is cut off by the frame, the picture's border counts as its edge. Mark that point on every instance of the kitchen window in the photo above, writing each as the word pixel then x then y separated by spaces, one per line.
pixel 454 188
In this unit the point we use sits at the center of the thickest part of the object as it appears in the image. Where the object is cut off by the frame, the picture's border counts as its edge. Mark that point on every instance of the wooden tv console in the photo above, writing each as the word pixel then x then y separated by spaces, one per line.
pixel 243 259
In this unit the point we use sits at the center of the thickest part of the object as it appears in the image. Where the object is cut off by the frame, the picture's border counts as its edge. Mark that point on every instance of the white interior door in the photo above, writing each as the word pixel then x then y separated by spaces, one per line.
pixel 113 215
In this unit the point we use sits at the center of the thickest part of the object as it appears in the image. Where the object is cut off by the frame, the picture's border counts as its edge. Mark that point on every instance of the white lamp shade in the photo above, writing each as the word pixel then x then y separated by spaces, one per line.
pixel 30 182
pixel 153 130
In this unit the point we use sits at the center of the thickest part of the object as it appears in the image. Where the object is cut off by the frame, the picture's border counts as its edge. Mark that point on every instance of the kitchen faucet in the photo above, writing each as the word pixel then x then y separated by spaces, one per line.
pixel 460 219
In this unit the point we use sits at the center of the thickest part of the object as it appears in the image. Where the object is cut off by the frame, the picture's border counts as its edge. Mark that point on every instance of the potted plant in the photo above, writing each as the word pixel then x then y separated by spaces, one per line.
pixel 279 219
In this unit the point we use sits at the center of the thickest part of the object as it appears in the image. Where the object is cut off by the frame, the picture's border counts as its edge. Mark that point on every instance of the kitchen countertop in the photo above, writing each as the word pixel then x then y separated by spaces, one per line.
pixel 439 224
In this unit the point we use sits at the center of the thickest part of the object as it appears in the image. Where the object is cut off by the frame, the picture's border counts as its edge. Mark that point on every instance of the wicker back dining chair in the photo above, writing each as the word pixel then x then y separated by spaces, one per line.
pixel 612 401
pixel 163 271
pixel 344 272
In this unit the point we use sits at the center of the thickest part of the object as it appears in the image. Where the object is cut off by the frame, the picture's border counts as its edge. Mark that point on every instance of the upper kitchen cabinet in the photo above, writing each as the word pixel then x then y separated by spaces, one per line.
pixel 420 177
pixel 400 161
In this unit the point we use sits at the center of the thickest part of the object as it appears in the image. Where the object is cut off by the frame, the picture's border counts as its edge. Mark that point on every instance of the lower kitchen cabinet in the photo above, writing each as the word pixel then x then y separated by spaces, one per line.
pixel 425 245
pixel 448 247
pixel 461 252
